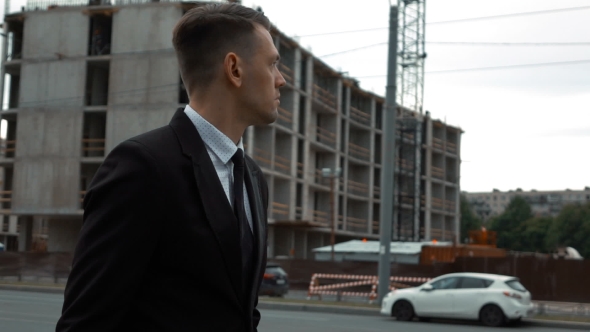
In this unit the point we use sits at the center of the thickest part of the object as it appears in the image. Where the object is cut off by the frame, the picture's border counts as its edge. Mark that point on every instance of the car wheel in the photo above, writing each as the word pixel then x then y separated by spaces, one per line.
pixel 403 311
pixel 424 319
pixel 492 315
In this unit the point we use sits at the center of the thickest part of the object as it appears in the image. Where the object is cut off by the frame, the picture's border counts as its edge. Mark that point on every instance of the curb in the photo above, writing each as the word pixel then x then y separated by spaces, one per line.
pixel 29 288
pixel 328 309
pixel 334 309
pixel 558 324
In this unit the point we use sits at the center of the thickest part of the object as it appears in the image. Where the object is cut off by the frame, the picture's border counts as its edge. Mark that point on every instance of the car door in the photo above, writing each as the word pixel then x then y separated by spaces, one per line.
pixel 469 297
pixel 437 302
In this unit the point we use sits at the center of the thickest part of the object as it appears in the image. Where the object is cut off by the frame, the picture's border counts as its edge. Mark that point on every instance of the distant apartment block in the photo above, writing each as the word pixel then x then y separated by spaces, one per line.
pixel 108 72
pixel 543 203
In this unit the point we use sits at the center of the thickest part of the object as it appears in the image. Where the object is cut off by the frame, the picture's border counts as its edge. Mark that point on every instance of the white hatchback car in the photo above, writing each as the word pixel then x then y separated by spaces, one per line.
pixel 493 299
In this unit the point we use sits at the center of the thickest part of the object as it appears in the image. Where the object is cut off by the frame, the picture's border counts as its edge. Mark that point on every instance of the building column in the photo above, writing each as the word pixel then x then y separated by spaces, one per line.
pixel 25 235
pixel 428 182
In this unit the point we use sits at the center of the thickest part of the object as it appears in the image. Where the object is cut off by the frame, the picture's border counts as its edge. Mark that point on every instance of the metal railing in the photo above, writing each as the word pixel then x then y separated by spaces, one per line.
pixel 358 188
pixel 263 157
pixel 287 73
pixel 91 145
pixel 360 116
pixel 279 210
pixel 359 152
pixel 282 164
pixel 285 118
pixel 324 96
pixel 324 136
pixel 8 148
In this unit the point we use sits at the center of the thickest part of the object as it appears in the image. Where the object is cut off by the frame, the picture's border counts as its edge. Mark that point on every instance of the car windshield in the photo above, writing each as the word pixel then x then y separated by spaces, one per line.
pixel 275 270
pixel 516 285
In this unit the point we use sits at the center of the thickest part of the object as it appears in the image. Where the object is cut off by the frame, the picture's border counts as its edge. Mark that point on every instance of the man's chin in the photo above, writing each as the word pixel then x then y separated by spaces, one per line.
pixel 272 117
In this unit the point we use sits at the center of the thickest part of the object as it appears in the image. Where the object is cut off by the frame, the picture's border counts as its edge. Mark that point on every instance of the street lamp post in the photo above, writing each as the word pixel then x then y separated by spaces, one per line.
pixel 332 175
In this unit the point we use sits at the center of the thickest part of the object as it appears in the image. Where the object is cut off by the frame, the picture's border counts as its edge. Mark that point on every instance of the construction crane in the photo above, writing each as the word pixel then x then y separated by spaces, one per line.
pixel 411 54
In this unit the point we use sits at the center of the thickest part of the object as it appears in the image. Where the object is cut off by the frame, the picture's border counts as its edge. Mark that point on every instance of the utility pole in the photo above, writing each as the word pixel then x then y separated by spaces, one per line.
pixel 388 158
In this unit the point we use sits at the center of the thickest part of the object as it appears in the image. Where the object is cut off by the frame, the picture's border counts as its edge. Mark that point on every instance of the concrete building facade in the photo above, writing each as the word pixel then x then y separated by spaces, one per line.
pixel 97 75
pixel 543 203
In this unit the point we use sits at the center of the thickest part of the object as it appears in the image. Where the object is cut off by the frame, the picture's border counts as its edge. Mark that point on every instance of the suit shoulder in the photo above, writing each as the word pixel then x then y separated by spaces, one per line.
pixel 155 138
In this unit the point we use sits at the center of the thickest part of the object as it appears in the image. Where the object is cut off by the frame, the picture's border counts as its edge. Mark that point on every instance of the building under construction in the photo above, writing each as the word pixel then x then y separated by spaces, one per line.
pixel 95 75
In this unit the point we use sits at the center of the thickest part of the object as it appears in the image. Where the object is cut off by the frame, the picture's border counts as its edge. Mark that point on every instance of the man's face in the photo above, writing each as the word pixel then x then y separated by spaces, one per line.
pixel 262 81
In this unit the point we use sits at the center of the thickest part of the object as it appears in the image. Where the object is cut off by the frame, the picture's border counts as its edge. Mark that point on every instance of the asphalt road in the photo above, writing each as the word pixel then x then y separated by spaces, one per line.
pixel 287 321
pixel 38 312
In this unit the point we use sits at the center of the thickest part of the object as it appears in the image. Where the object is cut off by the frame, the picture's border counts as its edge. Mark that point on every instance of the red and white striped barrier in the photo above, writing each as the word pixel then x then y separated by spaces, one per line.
pixel 359 280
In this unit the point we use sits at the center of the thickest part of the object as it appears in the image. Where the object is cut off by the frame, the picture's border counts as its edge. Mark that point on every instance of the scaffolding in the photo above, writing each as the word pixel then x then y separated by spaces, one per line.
pixel 411 54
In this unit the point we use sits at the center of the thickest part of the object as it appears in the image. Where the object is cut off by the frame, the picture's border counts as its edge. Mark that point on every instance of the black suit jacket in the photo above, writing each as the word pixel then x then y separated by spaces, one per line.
pixel 159 248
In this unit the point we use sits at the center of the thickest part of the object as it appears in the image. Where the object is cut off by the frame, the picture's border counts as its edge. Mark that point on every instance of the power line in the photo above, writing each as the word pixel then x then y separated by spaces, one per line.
pixel 470 44
pixel 511 43
pixel 352 50
pixel 527 65
pixel 548 11
pixel 461 20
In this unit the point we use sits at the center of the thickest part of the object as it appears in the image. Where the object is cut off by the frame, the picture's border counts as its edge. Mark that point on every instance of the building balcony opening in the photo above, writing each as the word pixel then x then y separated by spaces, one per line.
pixel 360 109
pixel 93 135
pixel 97 83
pixel 379 115
pixel 6 189
pixel 11 87
pixel 14 50
pixel 8 143
pixel 100 35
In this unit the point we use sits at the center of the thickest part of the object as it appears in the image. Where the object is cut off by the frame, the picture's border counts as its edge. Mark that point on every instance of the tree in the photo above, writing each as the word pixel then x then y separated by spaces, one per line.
pixel 469 220
pixel 532 234
pixel 509 224
pixel 571 228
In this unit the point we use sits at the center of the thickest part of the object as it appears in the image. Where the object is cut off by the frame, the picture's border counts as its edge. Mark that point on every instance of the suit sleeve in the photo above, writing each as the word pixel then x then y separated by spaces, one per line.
pixel 256 313
pixel 117 239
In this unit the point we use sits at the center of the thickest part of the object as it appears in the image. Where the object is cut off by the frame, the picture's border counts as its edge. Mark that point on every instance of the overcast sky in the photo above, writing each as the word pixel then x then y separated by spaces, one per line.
pixel 524 128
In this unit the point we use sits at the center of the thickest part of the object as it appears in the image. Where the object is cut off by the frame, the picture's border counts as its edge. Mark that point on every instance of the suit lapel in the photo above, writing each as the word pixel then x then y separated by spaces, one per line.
pixel 258 213
pixel 217 208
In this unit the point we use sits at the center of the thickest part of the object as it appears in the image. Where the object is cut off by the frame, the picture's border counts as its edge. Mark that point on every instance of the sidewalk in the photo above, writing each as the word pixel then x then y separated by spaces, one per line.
pixel 296 301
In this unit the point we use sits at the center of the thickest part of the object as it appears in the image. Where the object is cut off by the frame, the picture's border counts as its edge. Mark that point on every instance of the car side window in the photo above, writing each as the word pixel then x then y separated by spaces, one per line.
pixel 468 282
pixel 446 283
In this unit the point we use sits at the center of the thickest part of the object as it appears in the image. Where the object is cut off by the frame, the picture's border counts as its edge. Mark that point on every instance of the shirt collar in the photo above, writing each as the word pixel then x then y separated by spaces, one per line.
pixel 221 145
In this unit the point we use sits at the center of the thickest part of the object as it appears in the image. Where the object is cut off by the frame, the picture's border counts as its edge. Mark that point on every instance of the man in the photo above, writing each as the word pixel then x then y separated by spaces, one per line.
pixel 174 232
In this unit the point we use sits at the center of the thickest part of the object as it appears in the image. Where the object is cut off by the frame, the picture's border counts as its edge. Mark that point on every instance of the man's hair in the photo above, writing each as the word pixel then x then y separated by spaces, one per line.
pixel 204 35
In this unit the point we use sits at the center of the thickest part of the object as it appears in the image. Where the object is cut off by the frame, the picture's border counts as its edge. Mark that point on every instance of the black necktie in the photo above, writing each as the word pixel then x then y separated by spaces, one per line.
pixel 246 237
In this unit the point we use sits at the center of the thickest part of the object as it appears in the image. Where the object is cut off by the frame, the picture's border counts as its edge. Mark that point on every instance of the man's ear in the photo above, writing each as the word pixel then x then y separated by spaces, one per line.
pixel 232 68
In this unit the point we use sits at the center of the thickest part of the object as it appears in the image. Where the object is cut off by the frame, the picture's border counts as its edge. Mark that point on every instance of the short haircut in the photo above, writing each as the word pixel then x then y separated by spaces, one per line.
pixel 205 34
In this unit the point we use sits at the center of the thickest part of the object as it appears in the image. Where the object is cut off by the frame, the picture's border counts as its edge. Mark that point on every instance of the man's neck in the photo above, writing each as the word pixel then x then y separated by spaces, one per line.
pixel 221 117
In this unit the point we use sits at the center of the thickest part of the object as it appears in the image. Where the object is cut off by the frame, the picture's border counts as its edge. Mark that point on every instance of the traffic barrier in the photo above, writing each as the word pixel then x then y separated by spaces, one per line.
pixel 315 289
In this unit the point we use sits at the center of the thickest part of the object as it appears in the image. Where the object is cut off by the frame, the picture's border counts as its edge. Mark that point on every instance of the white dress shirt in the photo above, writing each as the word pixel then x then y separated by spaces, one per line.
pixel 221 148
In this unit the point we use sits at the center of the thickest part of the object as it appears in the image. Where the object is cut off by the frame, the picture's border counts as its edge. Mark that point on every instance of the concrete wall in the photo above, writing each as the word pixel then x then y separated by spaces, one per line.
pixel 63 234
pixel 57 31
pixel 46 160
pixel 124 124
pixel 56 83
pixel 148 79
pixel 145 27
pixel 146 97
